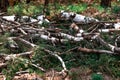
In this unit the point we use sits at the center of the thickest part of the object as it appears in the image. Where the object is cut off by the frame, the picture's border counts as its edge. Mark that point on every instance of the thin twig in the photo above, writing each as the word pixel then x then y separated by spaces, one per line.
pixel 40 68
pixel 86 50
pixel 58 57
pixel 112 47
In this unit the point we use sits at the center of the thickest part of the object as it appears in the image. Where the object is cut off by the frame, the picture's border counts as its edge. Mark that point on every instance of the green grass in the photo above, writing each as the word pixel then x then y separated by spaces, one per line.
pixel 77 7
pixel 30 9
pixel 25 9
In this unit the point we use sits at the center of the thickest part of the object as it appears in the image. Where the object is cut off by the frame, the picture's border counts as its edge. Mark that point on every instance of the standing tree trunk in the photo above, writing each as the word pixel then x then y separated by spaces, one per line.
pixel 3 5
pixel 27 1
pixel 46 9
pixel 105 3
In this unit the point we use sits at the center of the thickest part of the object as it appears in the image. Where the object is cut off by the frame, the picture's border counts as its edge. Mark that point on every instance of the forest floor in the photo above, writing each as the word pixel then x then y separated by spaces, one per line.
pixel 86 68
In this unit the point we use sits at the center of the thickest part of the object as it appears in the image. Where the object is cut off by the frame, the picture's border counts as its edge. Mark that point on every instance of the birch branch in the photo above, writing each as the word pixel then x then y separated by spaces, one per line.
pixel 112 48
pixel 21 72
pixel 14 56
pixel 89 36
pixel 109 30
pixel 58 57
pixel 14 22
pixel 40 68
pixel 2 13
pixel 2 28
pixel 53 39
pixel 2 65
pixel 24 41
pixel 86 50
pixel 22 31
pixel 71 37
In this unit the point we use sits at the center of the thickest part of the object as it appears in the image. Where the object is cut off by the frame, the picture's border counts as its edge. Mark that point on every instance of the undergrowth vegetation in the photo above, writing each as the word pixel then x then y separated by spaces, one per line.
pixel 25 9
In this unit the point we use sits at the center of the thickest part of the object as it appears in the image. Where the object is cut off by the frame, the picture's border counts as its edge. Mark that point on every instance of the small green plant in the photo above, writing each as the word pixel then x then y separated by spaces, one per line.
pixel 77 8
pixel 97 77
pixel 99 8
pixel 13 67
pixel 116 9
pixel 25 9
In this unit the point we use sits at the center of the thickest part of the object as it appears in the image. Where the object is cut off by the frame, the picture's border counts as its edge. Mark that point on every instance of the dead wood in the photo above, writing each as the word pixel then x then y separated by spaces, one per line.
pixel 38 67
pixel 112 47
pixel 86 50
pixel 64 72
pixel 60 59
pixel 25 32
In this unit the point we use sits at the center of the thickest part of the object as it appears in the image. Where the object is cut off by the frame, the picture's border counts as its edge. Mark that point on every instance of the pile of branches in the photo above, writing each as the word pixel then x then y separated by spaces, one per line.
pixel 24 30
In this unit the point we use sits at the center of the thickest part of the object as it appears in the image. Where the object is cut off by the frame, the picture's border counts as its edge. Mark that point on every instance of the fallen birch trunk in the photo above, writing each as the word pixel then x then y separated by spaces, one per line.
pixel 71 37
pixel 77 17
pixel 46 37
pixel 83 36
